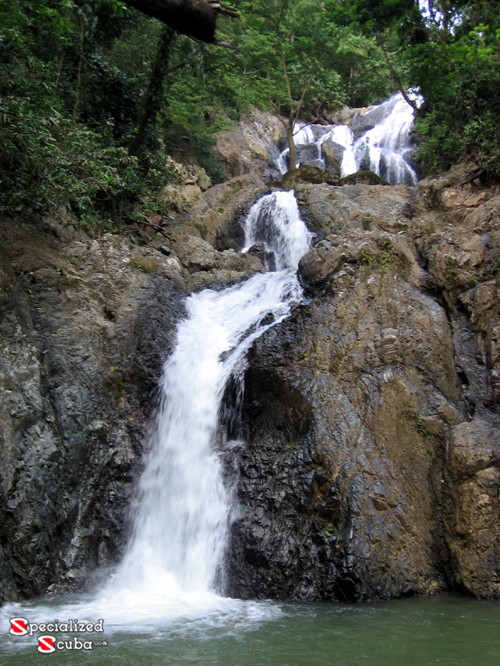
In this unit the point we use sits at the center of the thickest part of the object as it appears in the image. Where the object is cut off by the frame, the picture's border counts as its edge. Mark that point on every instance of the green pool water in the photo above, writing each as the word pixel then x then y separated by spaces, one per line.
pixel 449 631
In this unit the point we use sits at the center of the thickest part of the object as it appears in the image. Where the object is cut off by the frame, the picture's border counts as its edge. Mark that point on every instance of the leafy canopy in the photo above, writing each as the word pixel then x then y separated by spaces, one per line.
pixel 449 49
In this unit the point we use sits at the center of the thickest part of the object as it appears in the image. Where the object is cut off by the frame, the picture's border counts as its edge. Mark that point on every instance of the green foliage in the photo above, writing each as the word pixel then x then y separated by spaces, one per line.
pixel 451 53
pixel 66 111
pixel 494 270
pixel 423 428
pixel 74 78
pixel 383 256
pixel 279 47
pixel 359 63
pixel 460 81
pixel 332 63
pixel 49 159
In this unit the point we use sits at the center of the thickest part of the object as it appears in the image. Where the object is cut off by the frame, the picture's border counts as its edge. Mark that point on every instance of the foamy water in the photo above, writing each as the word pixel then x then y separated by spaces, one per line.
pixel 171 574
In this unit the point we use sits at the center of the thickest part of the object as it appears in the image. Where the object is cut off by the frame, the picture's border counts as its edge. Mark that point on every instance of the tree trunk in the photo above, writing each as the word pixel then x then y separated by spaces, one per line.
pixel 195 18
pixel 395 77
pixel 155 90
pixel 291 144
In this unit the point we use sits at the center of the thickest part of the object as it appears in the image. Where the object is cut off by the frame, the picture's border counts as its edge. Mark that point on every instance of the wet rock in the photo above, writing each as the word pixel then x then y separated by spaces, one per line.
pixel 365 119
pixel 388 485
pixel 251 147
pixel 360 366
pixel 308 155
pixel 473 457
pixel 332 153
pixel 306 174
pixel 85 328
pixel 366 463
pixel 365 177
pixel 216 217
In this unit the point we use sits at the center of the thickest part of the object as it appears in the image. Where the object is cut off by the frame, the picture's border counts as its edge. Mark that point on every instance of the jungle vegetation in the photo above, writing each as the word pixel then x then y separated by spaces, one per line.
pixel 95 95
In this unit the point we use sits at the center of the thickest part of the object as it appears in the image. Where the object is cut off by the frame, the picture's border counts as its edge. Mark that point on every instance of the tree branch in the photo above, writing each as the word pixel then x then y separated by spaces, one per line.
pixel 194 18
pixel 153 96
pixel 395 77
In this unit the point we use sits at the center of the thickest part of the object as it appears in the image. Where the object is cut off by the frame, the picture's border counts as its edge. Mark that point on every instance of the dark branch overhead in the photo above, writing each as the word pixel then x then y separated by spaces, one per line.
pixel 195 18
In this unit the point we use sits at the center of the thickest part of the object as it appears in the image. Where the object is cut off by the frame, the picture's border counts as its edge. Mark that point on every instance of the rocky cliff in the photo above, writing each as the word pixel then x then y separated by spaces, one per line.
pixel 370 420
pixel 372 416
pixel 85 327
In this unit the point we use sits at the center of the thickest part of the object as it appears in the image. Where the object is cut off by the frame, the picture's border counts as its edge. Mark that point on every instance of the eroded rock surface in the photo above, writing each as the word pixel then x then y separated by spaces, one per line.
pixel 368 457
pixel 84 330
pixel 372 416
pixel 251 147
pixel 85 327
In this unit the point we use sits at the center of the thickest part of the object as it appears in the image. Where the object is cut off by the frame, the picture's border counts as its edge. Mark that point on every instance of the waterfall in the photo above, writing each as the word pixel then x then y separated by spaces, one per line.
pixel 184 508
pixel 276 223
pixel 172 568
pixel 386 148
pixel 383 144
pixel 342 134
pixel 302 135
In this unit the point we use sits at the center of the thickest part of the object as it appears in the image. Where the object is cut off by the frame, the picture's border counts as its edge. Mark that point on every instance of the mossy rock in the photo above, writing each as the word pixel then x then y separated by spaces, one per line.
pixel 363 178
pixel 307 174
pixel 145 264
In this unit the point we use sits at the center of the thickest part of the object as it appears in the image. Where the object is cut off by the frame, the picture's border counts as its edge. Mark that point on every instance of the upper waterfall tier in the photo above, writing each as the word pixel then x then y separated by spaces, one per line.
pixel 274 221
pixel 379 140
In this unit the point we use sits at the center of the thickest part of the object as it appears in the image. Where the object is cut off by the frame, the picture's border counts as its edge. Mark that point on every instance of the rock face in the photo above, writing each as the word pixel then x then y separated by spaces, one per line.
pixel 85 327
pixel 251 147
pixel 370 417
pixel 78 365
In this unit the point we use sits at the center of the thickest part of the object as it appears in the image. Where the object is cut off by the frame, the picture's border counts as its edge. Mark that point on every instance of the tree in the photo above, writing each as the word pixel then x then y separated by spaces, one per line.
pixel 66 112
pixel 457 71
pixel 449 50
pixel 153 97
pixel 379 19
pixel 194 18
pixel 280 53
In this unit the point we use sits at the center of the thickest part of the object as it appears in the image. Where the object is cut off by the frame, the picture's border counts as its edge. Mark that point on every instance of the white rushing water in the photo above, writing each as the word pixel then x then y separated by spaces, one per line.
pixel 385 149
pixel 342 134
pixel 184 508
pixel 172 566
pixel 302 135
pixel 275 222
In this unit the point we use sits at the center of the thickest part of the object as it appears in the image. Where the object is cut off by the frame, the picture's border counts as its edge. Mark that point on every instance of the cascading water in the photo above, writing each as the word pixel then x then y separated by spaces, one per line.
pixel 172 566
pixel 385 148
pixel 275 222
pixel 302 135
pixel 184 508
pixel 342 134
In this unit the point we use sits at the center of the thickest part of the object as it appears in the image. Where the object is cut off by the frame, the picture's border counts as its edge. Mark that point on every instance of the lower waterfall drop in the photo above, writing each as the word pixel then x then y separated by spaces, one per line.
pixel 170 575
pixel 183 510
